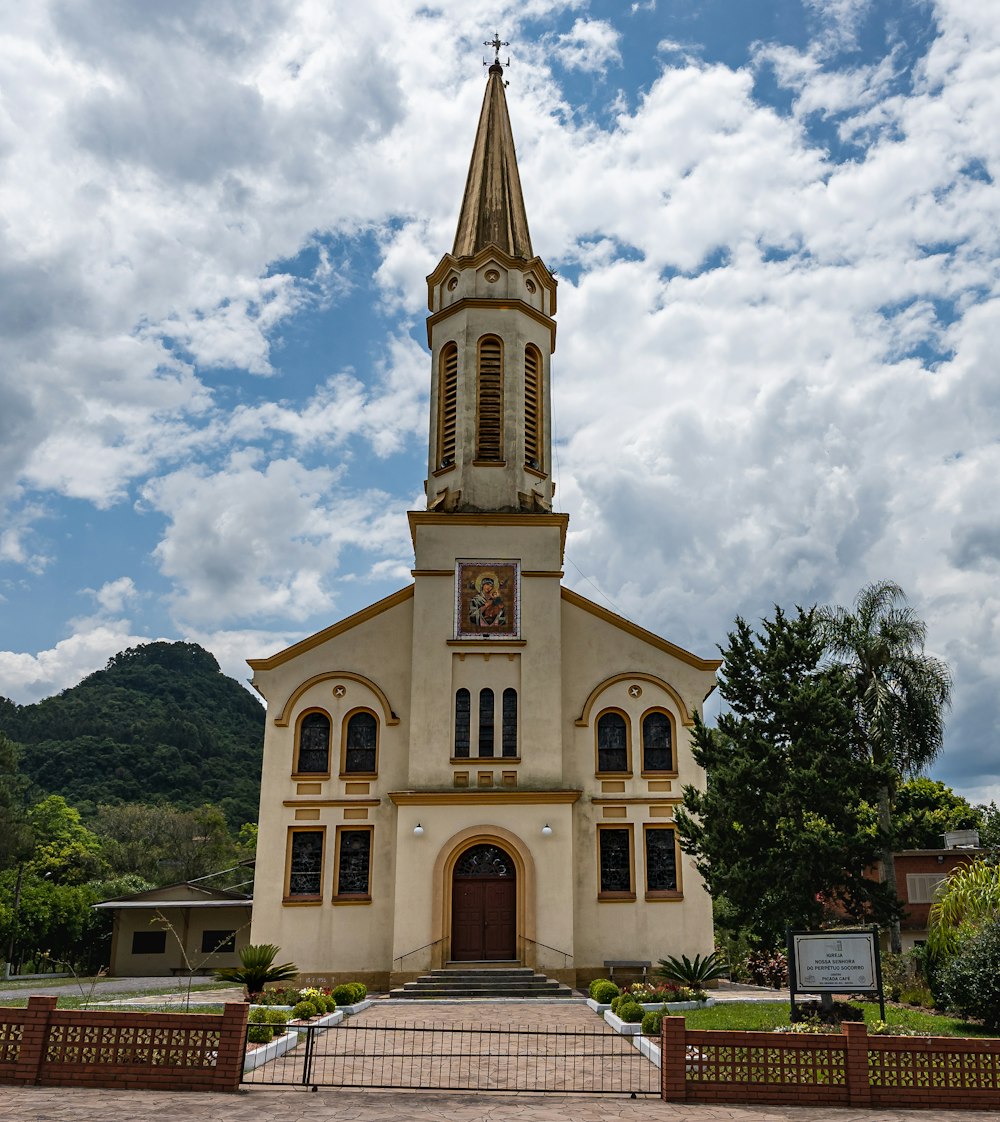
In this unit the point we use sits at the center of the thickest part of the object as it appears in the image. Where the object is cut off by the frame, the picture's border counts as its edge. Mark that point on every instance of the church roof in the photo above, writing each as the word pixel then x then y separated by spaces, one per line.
pixel 493 208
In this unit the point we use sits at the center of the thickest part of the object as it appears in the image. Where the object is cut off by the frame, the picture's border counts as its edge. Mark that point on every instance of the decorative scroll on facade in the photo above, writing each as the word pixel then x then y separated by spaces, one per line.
pixel 484 861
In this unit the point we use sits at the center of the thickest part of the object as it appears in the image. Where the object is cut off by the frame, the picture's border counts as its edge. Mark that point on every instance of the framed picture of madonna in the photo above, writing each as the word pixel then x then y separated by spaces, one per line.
pixel 488 600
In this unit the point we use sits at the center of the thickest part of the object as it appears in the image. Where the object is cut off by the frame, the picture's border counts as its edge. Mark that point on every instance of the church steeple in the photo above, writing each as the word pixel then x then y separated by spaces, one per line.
pixel 491 335
pixel 493 206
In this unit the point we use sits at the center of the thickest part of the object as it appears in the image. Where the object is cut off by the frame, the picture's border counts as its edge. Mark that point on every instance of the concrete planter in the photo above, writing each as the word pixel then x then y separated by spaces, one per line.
pixel 282 1044
pixel 656 1006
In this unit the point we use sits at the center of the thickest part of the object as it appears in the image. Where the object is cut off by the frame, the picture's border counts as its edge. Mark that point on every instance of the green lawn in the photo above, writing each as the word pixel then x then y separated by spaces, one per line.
pixel 763 1016
pixel 80 996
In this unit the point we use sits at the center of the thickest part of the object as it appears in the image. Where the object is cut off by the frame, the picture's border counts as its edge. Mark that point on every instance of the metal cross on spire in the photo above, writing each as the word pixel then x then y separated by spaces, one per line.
pixel 496 43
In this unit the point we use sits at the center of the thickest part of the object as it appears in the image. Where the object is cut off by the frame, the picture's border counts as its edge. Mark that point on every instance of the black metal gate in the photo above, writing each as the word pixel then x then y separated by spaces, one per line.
pixel 461 1058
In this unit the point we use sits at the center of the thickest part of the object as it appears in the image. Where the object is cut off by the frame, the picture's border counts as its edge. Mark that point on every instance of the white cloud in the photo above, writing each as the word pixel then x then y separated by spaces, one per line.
pixel 590 45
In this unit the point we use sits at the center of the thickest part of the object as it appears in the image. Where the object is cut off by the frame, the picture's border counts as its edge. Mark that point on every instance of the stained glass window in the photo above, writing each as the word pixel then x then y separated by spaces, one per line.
pixel 463 718
pixel 661 860
pixel 657 746
pixel 314 744
pixel 486 722
pixel 362 740
pixel 509 723
pixel 616 863
pixel 306 869
pixel 354 862
pixel 612 743
pixel 484 861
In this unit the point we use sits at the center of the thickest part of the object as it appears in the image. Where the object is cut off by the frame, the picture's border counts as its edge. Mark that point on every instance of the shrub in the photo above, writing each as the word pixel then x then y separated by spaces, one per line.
pixel 303 1011
pixel 319 1004
pixel 693 972
pixel 898 973
pixel 603 993
pixel 257 968
pixel 598 982
pixel 652 1023
pixel 615 1002
pixel 257 1016
pixel 260 1034
pixel 768 968
pixel 280 997
pixel 276 1017
pixel 631 1012
pixel 360 991
pixel 970 979
pixel 329 1005
pixel 343 994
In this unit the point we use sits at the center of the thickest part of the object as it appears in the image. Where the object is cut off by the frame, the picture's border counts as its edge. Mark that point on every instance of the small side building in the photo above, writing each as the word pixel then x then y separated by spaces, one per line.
pixel 177 928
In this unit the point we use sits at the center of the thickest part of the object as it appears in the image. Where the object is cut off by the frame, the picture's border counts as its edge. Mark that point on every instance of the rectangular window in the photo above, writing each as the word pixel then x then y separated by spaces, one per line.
pixel 354 857
pixel 304 874
pixel 662 865
pixel 149 942
pixel 921 888
pixel 218 942
pixel 615 863
pixel 485 722
pixel 508 724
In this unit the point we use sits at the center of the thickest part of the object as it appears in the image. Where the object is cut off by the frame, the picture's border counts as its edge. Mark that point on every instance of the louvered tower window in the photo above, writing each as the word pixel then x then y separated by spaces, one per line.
pixel 448 405
pixel 533 408
pixel 489 377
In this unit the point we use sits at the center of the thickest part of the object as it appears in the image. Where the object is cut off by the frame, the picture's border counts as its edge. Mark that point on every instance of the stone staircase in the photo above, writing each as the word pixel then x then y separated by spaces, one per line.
pixel 483 983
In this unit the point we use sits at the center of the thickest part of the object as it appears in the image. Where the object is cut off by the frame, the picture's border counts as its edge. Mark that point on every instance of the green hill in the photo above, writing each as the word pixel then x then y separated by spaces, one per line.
pixel 161 723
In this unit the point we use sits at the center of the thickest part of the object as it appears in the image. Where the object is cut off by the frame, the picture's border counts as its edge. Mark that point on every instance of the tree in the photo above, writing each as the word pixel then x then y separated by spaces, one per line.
pixel 780 830
pixel 899 694
pixel 15 834
pixel 925 809
pixel 257 968
pixel 65 850
pixel 970 900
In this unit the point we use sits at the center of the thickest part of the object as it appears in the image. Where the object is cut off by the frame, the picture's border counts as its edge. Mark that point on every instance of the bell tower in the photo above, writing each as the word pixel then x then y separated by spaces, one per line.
pixel 491 335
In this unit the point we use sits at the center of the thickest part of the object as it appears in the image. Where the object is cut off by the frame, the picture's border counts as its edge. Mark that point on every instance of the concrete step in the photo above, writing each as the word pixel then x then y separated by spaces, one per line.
pixel 485 983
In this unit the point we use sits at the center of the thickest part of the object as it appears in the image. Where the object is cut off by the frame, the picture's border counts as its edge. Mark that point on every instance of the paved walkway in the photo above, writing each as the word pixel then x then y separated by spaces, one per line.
pixel 35 1104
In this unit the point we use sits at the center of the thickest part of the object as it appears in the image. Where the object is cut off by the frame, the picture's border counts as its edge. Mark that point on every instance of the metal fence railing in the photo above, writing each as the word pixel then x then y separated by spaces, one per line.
pixel 460 1058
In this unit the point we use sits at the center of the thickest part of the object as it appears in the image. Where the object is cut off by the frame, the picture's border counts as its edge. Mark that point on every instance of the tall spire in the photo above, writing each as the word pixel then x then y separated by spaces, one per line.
pixel 493 207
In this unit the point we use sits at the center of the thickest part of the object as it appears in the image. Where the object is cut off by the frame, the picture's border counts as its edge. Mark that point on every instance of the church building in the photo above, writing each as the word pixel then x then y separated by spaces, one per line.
pixel 482 767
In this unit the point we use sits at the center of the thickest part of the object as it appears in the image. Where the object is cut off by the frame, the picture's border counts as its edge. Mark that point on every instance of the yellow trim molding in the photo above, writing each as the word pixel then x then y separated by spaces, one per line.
pixel 654 640
pixel 584 719
pixel 488 518
pixel 333 630
pixel 336 802
pixel 282 719
pixel 470 797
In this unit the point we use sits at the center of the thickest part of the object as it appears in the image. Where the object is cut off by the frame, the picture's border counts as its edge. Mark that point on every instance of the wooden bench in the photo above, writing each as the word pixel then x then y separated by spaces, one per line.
pixel 614 964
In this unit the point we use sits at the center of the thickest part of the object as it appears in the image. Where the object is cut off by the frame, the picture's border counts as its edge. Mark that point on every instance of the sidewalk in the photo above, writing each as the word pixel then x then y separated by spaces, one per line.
pixel 36 1104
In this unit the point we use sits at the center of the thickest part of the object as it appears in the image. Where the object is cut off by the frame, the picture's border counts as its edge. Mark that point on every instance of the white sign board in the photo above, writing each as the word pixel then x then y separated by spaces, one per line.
pixel 838 963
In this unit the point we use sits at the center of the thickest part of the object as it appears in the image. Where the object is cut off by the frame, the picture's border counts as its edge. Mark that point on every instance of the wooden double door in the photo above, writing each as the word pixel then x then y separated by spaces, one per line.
pixel 484 906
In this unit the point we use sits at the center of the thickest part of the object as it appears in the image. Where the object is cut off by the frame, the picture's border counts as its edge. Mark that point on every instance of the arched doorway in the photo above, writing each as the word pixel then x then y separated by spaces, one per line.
pixel 484 905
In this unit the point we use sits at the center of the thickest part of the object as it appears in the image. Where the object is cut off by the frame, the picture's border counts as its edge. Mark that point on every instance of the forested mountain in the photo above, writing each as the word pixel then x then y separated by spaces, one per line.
pixel 160 723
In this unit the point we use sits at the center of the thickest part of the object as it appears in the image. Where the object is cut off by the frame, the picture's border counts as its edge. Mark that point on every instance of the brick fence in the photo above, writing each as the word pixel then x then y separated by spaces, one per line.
pixel 853 1069
pixel 52 1047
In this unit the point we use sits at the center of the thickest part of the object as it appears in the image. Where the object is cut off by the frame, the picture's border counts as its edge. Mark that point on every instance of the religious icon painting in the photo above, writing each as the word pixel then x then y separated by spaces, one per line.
pixel 488 600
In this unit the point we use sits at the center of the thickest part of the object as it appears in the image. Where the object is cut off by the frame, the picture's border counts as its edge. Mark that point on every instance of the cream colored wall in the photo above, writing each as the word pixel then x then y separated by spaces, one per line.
pixel 439 668
pixel 593 652
pixel 352 936
pixel 188 925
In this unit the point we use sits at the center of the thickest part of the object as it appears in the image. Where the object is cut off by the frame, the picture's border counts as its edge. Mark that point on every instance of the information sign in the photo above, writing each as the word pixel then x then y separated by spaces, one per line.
pixel 836 963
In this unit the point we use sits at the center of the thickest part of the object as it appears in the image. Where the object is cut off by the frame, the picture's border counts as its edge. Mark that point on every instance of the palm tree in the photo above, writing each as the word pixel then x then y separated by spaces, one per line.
pixel 968 900
pixel 900 694
pixel 256 969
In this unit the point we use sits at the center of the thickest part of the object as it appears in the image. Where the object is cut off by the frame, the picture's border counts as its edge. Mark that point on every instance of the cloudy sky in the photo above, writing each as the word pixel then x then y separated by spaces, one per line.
pixel 775 226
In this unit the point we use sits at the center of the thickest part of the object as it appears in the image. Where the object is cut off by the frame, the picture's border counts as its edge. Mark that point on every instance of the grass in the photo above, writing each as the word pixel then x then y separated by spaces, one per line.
pixel 79 997
pixel 764 1016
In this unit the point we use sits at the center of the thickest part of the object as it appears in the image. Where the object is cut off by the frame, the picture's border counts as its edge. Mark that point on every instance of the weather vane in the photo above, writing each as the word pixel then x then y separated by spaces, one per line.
pixel 496 43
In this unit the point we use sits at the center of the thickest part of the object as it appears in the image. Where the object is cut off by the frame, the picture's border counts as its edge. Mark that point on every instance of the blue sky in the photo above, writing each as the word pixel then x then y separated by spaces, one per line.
pixel 776 231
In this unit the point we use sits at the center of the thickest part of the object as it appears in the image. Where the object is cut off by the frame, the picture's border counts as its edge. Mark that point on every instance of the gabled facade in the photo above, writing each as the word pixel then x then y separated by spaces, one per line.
pixel 482 767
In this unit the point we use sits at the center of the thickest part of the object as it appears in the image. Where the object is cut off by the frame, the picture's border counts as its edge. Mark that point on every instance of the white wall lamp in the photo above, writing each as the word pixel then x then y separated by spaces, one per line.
pixel 546 830
pixel 418 830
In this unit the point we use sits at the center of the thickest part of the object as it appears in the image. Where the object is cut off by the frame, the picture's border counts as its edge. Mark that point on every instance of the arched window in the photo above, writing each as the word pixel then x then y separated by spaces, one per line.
pixel 612 743
pixel 447 404
pixel 361 743
pixel 533 407
pixel 463 719
pixel 489 400
pixel 508 724
pixel 486 722
pixel 657 742
pixel 312 755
